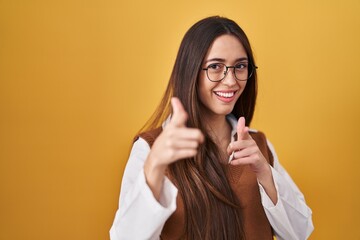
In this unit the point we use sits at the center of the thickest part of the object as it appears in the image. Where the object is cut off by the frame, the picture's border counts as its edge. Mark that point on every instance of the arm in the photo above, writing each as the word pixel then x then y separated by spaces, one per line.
pixel 246 151
pixel 140 214
pixel 290 218
pixel 283 202
pixel 147 196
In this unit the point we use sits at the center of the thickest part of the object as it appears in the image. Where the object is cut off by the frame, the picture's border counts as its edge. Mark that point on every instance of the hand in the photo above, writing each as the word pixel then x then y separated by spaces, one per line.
pixel 176 140
pixel 246 151
pixel 174 143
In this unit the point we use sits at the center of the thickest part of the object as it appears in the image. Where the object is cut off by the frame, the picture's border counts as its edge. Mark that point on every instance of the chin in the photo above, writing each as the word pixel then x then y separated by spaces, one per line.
pixel 223 111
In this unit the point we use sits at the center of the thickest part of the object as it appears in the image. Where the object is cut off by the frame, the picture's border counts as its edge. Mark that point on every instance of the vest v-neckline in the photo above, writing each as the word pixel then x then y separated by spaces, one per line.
pixel 235 172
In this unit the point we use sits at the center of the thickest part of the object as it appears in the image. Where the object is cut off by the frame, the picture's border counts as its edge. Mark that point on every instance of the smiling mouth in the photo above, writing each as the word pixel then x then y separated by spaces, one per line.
pixel 225 94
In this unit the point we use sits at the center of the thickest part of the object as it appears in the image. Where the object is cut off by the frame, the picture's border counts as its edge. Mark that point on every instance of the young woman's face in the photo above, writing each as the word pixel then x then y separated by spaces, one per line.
pixel 220 97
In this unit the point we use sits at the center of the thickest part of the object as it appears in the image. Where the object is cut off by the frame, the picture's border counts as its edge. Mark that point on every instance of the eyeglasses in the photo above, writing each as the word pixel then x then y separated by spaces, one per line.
pixel 218 71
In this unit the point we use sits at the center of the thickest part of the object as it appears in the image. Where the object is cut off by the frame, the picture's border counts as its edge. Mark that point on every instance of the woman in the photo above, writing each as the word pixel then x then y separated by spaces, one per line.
pixel 198 172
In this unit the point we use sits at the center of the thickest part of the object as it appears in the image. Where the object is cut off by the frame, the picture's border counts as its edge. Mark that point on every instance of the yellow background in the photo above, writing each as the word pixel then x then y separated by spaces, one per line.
pixel 79 78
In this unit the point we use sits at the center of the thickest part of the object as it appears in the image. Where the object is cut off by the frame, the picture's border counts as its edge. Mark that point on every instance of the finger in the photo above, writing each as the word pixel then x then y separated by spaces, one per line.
pixel 189 134
pixel 231 157
pixel 240 127
pixel 179 114
pixel 185 153
pixel 242 161
pixel 229 149
pixel 184 144
pixel 239 145
pixel 242 130
pixel 246 152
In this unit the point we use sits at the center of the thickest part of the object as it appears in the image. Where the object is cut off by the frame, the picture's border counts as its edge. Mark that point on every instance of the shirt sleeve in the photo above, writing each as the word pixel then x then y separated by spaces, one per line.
pixel 140 215
pixel 290 218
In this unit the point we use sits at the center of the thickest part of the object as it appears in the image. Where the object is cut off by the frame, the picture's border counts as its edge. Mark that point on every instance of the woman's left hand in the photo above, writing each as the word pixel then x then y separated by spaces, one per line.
pixel 246 151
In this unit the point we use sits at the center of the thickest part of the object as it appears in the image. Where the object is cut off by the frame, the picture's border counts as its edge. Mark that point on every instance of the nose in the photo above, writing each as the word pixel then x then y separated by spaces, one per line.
pixel 229 79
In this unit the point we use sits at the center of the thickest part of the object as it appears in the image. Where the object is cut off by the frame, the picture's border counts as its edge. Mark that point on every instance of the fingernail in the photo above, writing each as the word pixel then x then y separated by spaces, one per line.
pixel 231 157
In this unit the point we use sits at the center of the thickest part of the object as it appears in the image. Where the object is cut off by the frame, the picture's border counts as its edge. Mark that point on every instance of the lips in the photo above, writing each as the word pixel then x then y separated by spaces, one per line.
pixel 225 94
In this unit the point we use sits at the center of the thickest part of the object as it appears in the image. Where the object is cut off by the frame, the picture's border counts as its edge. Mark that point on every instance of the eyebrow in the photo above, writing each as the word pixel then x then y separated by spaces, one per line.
pixel 223 60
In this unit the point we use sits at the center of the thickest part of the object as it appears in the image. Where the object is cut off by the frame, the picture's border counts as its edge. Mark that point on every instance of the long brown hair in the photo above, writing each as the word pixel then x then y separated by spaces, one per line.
pixel 211 209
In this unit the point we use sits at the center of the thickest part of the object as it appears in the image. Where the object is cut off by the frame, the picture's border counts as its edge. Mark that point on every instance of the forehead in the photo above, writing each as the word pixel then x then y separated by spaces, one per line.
pixel 227 47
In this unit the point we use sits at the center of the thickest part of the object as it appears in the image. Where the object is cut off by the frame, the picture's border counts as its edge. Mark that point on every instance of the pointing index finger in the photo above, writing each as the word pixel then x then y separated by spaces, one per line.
pixel 242 130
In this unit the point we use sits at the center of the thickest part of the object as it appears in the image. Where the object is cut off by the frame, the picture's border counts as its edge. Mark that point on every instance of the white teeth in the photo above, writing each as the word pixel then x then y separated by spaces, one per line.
pixel 226 95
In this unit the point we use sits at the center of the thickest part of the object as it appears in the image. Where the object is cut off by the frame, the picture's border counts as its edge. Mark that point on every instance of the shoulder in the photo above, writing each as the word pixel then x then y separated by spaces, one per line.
pixel 256 133
pixel 149 136
pixel 258 136
pixel 263 144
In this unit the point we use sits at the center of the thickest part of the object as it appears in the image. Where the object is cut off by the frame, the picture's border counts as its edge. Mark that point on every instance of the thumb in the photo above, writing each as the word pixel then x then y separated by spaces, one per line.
pixel 179 114
pixel 242 130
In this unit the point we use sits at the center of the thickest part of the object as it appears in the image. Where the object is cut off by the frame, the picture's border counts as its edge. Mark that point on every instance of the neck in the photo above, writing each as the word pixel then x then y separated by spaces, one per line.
pixel 218 128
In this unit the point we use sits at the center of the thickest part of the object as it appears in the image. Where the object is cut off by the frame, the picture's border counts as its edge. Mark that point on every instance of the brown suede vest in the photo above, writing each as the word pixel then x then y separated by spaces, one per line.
pixel 244 184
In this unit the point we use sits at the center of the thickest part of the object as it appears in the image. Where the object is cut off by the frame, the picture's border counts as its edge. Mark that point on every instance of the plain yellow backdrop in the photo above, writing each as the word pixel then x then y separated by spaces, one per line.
pixel 79 78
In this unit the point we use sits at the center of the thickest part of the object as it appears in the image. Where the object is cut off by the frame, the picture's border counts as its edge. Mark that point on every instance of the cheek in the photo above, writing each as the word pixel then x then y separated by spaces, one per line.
pixel 202 89
pixel 201 80
pixel 242 86
pixel 204 86
pixel 205 89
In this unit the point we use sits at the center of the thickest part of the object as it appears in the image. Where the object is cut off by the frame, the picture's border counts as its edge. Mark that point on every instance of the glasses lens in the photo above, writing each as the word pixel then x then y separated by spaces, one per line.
pixel 216 71
pixel 243 71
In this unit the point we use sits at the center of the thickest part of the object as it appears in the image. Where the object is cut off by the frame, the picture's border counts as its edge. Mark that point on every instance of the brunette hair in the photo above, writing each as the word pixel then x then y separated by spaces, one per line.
pixel 211 208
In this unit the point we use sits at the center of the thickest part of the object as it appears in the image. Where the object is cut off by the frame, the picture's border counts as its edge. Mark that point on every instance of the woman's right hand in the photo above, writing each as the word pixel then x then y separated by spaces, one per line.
pixel 174 143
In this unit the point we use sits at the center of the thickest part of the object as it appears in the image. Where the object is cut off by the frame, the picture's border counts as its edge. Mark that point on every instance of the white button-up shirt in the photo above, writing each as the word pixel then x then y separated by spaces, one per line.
pixel 141 217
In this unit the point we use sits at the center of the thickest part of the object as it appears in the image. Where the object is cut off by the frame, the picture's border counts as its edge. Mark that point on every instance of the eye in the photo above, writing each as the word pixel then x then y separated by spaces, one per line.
pixel 242 66
pixel 215 67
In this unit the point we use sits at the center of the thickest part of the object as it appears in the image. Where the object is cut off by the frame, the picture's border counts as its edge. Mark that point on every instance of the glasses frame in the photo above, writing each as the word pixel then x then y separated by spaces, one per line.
pixel 253 68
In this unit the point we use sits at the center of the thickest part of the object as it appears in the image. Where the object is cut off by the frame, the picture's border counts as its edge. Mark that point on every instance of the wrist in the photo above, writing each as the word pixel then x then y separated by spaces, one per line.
pixel 154 175
pixel 152 166
pixel 265 175
pixel 265 179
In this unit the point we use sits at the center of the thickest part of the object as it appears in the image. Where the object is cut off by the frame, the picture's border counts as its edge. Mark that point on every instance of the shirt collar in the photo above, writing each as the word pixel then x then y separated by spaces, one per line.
pixel 233 123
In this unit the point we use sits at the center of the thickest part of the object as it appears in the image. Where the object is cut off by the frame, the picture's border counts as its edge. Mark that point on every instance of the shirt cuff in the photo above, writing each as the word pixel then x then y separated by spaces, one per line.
pixel 265 199
pixel 168 194
pixel 141 209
